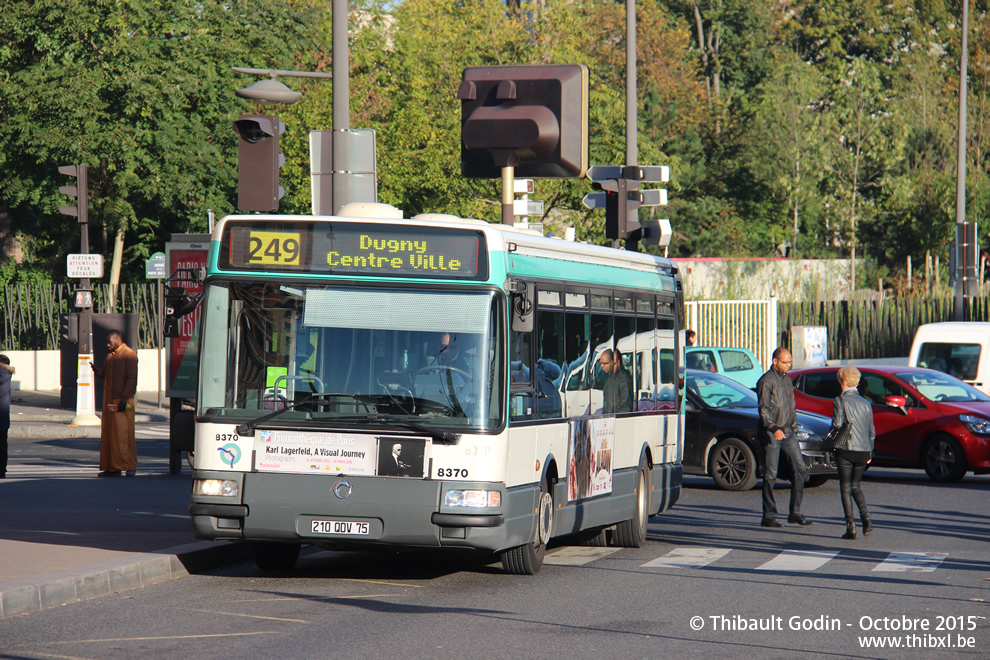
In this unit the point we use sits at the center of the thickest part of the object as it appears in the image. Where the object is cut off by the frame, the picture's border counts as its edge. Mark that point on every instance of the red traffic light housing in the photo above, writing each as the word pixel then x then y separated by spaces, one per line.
pixel 258 162
pixel 532 118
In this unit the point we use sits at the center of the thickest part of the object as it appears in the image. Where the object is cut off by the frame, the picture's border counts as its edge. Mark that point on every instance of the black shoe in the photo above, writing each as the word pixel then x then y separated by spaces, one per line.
pixel 770 522
pixel 109 473
pixel 867 527
pixel 798 519
pixel 850 534
pixel 130 473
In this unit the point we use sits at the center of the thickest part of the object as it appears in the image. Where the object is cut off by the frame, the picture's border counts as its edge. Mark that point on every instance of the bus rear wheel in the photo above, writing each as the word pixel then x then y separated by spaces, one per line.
pixel 528 559
pixel 632 533
pixel 270 556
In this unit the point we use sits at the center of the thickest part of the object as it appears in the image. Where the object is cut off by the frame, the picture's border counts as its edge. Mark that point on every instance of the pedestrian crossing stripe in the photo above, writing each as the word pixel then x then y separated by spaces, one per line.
pixel 789 561
pixel 577 555
pixel 799 560
pixel 911 562
pixel 688 558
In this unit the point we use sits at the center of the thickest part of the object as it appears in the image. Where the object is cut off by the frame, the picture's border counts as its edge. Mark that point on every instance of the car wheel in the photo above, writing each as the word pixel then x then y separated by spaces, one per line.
pixel 944 459
pixel 816 480
pixel 732 465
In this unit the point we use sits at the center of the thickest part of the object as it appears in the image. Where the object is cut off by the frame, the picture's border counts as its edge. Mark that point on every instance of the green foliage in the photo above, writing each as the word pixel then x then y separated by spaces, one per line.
pixel 834 120
pixel 142 93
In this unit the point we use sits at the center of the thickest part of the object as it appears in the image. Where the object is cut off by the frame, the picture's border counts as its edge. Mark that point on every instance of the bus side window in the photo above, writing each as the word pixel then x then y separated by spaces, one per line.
pixel 521 391
pixel 577 384
pixel 549 363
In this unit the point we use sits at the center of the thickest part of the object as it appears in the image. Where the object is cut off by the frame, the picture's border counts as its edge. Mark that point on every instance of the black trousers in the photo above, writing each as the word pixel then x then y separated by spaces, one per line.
pixel 850 475
pixel 771 461
pixel 3 451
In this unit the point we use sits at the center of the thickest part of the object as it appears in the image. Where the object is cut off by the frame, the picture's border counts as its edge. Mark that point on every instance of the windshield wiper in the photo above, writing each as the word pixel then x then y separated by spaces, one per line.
pixel 248 427
pixel 437 434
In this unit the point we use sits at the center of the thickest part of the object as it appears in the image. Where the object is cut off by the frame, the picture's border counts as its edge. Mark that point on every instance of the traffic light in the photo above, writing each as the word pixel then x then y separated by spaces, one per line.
pixel 258 162
pixel 532 118
pixel 68 325
pixel 80 191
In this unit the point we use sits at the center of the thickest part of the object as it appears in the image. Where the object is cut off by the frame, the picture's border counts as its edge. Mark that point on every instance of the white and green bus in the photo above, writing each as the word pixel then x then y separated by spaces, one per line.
pixel 432 382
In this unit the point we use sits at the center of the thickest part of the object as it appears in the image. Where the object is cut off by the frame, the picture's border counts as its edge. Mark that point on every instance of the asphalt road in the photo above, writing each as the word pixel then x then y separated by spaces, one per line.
pixel 708 583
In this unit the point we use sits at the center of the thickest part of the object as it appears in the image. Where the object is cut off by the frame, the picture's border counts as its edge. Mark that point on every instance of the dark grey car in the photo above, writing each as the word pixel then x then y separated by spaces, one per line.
pixel 720 434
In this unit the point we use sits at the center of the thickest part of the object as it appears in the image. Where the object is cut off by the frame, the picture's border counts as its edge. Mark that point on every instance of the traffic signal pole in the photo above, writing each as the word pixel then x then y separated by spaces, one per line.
pixel 508 195
pixel 85 378
pixel 631 217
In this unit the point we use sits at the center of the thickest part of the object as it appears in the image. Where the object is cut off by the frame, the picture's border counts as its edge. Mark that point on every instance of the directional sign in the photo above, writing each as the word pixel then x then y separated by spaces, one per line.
pixel 84 265
pixel 654 173
pixel 599 173
pixel 595 200
pixel 653 197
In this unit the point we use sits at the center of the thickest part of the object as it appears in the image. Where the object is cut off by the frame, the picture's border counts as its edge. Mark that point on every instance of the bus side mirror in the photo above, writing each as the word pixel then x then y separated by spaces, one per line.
pixel 523 305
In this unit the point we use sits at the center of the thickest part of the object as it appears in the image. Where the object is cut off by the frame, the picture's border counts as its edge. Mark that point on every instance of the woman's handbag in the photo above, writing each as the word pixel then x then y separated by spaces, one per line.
pixel 838 438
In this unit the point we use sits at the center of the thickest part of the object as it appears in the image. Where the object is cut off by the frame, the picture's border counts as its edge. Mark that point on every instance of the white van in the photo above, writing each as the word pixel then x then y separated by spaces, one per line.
pixel 960 349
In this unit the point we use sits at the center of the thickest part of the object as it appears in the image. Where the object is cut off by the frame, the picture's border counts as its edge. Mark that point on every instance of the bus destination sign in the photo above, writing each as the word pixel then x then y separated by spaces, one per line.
pixel 354 248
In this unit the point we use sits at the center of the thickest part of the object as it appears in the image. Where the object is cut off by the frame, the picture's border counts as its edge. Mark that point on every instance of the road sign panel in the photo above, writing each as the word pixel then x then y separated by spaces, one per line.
pixel 595 200
pixel 523 186
pixel 653 197
pixel 84 265
pixel 526 207
pixel 654 173
pixel 154 268
pixel 599 173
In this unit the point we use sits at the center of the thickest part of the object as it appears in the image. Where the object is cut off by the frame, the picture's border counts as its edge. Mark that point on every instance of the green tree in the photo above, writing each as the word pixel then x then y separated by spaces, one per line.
pixel 142 93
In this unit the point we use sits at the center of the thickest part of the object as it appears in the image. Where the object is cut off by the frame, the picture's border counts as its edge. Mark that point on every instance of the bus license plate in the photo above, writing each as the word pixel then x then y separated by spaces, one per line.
pixel 340 527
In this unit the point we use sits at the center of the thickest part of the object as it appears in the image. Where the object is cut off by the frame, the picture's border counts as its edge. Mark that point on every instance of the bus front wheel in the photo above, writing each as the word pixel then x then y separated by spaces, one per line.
pixel 528 559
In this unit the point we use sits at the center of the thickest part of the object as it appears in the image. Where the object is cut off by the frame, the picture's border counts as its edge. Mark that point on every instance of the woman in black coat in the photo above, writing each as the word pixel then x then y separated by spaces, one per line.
pixel 852 461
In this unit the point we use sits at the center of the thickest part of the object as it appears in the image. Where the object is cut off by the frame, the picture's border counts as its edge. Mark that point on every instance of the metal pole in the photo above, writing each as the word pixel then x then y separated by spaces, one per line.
pixel 341 113
pixel 632 146
pixel 508 195
pixel 161 318
pixel 959 283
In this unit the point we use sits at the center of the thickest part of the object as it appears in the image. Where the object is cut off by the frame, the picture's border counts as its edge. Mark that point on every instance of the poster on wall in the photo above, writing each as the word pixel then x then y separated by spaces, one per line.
pixel 589 453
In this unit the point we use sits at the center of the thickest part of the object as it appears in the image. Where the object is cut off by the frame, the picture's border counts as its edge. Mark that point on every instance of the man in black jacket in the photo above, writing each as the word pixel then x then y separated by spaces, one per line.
pixel 777 432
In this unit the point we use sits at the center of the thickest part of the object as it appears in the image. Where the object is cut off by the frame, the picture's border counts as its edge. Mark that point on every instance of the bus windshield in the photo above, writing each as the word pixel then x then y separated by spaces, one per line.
pixel 347 356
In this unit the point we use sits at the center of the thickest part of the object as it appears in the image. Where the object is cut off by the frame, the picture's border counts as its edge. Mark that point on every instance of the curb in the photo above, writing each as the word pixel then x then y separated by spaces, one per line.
pixel 34 594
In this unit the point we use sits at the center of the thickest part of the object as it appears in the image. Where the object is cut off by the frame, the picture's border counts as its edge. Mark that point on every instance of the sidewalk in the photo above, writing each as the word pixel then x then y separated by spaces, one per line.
pixel 69 538
pixel 36 414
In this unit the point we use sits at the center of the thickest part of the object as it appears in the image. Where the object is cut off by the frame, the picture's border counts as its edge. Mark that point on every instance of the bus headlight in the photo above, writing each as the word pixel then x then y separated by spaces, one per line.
pixel 216 487
pixel 479 499
pixel 804 433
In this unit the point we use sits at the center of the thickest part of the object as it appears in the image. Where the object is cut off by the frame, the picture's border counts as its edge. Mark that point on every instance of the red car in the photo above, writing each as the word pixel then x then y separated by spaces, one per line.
pixel 924 418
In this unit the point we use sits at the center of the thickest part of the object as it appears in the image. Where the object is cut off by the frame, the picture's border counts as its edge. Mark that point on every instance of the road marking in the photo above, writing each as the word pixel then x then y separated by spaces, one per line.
pixel 577 555
pixel 798 560
pixel 149 639
pixel 254 616
pixel 688 558
pixel 911 562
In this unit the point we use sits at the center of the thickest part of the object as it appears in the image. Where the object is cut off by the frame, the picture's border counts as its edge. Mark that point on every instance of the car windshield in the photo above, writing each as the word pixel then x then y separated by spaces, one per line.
pixel 720 392
pixel 350 356
pixel 941 387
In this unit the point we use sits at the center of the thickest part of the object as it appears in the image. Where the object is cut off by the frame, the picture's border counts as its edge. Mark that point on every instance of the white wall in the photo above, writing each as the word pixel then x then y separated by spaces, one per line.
pixel 757 279
pixel 41 370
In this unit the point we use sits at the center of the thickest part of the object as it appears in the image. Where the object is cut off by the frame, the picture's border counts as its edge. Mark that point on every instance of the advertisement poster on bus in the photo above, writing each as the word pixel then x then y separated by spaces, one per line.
pixel 589 450
pixel 185 251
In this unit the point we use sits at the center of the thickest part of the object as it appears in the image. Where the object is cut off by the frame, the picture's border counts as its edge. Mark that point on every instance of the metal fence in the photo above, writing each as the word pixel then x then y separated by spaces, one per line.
pixel 748 324
pixel 29 313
